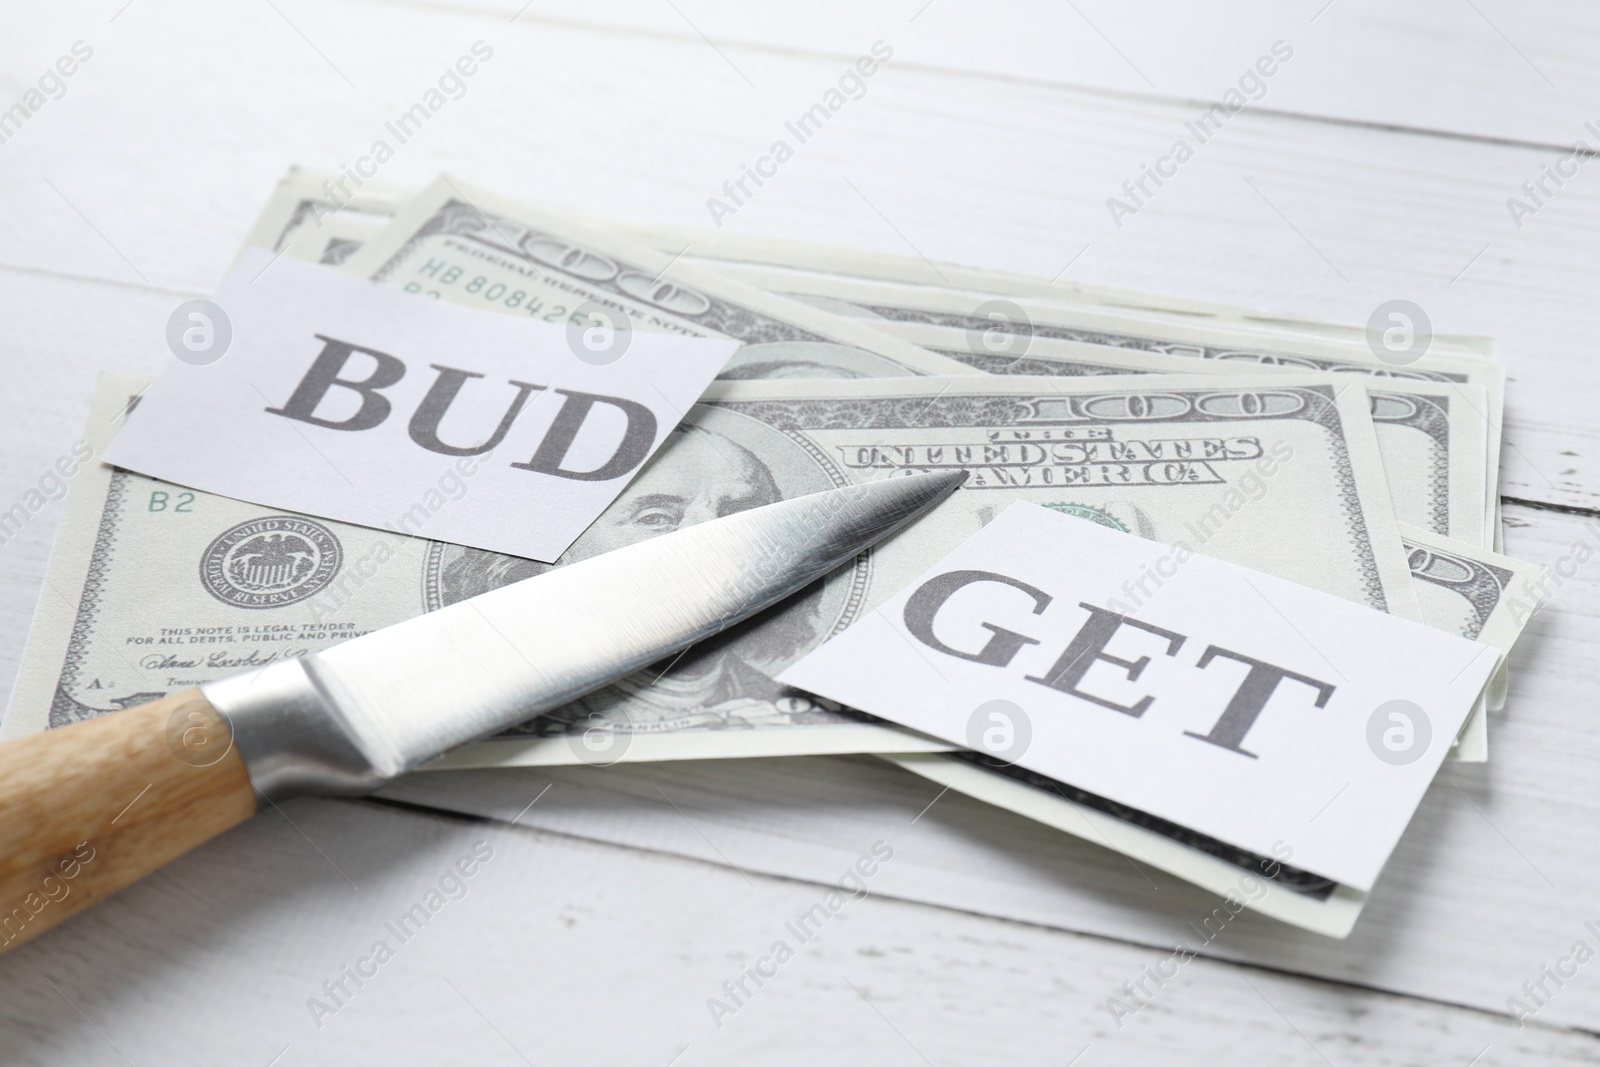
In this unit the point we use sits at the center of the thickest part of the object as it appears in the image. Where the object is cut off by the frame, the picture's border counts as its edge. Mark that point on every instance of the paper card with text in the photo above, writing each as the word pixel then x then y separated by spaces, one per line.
pixel 300 388
pixel 1273 717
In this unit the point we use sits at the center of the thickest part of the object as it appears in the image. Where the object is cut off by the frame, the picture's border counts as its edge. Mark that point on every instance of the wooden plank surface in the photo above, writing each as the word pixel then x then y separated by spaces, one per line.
pixel 994 138
pixel 1493 70
pixel 566 951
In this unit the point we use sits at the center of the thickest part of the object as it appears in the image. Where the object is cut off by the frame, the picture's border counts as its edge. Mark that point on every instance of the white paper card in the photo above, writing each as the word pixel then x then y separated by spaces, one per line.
pixel 353 401
pixel 1271 716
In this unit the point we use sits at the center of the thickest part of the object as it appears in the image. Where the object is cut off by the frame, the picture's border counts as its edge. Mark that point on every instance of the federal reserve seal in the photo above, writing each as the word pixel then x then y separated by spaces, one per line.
pixel 270 562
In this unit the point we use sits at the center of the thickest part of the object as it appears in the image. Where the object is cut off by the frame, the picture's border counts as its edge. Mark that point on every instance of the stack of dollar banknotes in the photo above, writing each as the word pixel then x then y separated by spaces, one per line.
pixel 1362 463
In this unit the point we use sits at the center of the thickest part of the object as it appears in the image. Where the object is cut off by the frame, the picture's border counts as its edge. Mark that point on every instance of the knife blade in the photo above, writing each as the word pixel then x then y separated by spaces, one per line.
pixel 92 807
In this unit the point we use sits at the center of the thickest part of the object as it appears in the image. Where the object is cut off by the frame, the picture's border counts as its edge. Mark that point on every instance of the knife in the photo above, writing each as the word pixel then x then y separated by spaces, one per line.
pixel 90 808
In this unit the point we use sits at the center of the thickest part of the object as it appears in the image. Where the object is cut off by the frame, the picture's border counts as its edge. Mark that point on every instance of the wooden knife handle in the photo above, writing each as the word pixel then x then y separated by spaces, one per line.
pixel 90 808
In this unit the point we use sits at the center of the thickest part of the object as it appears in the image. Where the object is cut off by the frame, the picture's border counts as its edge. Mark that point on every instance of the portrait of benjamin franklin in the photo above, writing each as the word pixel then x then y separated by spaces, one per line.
pixel 723 682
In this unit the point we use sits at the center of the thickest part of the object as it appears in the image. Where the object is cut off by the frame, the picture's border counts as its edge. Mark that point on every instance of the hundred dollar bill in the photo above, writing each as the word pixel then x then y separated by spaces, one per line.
pixel 334 242
pixel 1468 590
pixel 154 588
pixel 459 244
pixel 833 277
pixel 721 248
pixel 887 303
pixel 306 204
pixel 1438 432
pixel 1463 589
pixel 1431 434
pixel 1433 439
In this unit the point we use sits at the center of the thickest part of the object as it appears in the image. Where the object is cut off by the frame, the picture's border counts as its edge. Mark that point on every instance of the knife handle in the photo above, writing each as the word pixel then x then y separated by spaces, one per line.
pixel 90 808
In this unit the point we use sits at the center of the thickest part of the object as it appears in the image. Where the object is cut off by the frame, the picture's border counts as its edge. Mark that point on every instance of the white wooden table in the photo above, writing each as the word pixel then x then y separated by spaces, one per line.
pixel 1377 165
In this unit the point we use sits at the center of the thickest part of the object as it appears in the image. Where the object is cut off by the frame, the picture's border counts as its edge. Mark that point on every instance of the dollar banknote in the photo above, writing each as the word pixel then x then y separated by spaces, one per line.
pixel 726 248
pixel 992 333
pixel 154 588
pixel 543 265
pixel 1467 590
pixel 463 245
pixel 332 243
pixel 310 212
pixel 989 319
pixel 968 315
pixel 306 203
pixel 1463 589
pixel 886 303
pixel 1431 434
